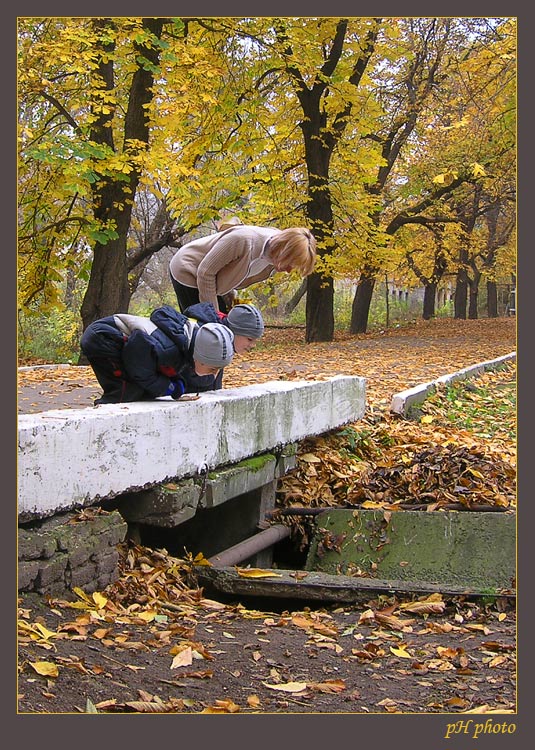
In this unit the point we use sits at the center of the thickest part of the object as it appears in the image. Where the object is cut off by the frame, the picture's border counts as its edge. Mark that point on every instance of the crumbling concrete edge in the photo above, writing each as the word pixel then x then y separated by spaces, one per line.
pixel 403 401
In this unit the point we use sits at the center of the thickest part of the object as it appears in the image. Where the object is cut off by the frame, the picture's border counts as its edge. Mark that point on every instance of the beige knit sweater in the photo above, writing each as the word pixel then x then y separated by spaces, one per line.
pixel 217 263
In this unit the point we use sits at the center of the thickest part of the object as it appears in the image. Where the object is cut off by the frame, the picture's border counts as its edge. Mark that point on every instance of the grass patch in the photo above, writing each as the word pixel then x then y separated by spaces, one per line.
pixel 484 405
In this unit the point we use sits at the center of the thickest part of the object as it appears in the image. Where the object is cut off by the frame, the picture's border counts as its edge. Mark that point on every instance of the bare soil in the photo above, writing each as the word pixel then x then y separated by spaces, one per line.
pixel 216 657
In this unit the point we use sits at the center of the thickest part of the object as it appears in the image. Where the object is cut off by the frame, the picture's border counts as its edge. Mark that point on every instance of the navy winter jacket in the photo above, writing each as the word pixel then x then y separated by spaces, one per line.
pixel 204 312
pixel 153 352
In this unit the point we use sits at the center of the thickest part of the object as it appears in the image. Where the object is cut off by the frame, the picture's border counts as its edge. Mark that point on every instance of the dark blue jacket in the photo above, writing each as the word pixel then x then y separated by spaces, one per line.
pixel 151 360
pixel 205 312
pixel 172 323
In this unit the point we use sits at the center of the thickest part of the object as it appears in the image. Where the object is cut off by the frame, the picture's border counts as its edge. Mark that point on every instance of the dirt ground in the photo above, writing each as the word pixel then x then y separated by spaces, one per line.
pixel 219 657
pixel 154 642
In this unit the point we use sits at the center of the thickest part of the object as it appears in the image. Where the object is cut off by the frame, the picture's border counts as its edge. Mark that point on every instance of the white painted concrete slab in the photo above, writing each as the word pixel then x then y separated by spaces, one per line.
pixel 68 459
pixel 402 401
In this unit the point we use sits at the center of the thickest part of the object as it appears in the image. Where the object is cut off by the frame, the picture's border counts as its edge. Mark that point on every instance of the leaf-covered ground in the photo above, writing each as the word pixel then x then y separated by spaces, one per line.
pixel 154 642
pixel 150 643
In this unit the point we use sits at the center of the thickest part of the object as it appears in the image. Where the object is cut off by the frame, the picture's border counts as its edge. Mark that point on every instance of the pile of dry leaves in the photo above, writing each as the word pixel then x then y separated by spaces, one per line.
pixel 424 463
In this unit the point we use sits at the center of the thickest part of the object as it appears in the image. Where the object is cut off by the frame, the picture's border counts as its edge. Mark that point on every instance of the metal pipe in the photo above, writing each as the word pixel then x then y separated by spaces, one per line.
pixel 249 547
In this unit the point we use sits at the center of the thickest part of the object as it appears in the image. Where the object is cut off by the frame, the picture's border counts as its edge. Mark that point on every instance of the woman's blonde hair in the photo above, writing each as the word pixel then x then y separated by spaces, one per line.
pixel 297 246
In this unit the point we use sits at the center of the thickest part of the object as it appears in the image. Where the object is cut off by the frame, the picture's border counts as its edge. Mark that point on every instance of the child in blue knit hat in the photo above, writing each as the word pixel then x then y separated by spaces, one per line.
pixel 244 320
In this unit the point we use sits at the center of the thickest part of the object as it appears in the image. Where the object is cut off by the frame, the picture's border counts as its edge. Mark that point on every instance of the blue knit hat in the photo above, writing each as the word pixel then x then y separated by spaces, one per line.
pixel 246 320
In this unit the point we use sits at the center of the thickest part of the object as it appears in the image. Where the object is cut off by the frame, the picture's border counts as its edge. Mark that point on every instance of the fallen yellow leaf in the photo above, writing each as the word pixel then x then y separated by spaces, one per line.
pixel 44 631
pixel 287 687
pixel 147 616
pixel 81 593
pixel 257 573
pixel 46 668
pixel 486 709
pixel 183 659
pixel 200 559
pixel 99 600
pixel 421 608
pixel 329 686
pixel 101 633
pixel 475 473
pixel 497 661
pixel 147 707
pixel 222 707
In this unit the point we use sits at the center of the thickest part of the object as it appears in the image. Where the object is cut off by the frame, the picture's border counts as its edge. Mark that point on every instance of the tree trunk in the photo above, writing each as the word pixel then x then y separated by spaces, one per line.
pixel 292 303
pixel 387 302
pixel 492 299
pixel 360 308
pixel 460 297
pixel 461 287
pixel 319 308
pixel 70 288
pixel 472 302
pixel 474 293
pixel 430 293
pixel 107 290
pixel 321 134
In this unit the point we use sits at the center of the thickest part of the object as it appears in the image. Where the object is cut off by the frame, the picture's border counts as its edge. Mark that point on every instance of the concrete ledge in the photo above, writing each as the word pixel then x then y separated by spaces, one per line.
pixel 166 505
pixel 402 402
pixel 169 505
pixel 69 459
pixel 317 586
pixel 475 550
pixel 247 475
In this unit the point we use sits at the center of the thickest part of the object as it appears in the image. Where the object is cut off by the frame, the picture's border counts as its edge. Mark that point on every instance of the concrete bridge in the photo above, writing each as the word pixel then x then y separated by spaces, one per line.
pixel 74 458
pixel 211 466
pixel 165 461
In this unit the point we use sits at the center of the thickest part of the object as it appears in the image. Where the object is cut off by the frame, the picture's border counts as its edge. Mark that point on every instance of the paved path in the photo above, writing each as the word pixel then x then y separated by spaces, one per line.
pixel 390 362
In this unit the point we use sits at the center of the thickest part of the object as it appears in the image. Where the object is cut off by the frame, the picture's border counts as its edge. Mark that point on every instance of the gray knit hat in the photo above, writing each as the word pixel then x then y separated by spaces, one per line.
pixel 246 320
pixel 214 345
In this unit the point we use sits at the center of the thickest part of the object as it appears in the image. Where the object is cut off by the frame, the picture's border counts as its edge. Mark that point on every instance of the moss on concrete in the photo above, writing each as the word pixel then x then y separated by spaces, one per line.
pixel 463 548
pixel 254 464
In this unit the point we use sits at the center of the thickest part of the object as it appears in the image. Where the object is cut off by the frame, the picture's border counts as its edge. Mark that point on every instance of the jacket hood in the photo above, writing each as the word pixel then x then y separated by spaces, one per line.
pixel 202 312
pixel 174 324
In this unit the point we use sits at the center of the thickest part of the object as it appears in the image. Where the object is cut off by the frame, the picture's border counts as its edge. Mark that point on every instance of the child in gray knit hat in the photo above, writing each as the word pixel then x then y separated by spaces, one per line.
pixel 247 325
pixel 244 321
pixel 135 358
pixel 213 348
